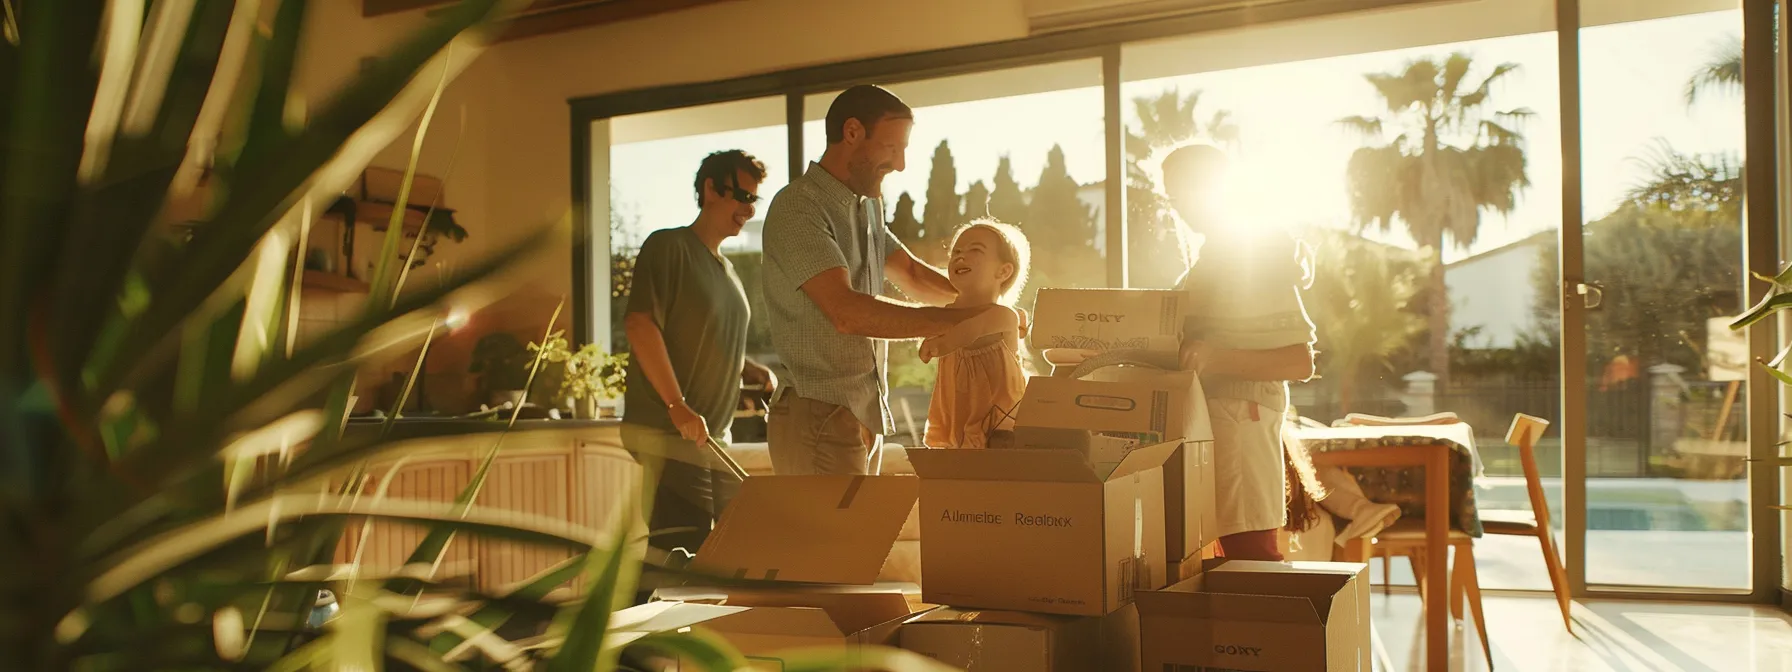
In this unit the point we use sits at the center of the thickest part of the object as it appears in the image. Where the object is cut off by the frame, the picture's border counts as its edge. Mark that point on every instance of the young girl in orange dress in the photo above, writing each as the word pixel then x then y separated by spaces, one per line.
pixel 981 373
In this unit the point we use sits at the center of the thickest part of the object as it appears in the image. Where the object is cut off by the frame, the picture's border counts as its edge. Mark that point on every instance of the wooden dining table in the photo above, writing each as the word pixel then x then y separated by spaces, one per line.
pixel 1414 454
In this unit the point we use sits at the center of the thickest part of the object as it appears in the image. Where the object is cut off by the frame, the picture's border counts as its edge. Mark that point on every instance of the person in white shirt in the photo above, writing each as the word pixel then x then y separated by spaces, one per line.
pixel 1247 335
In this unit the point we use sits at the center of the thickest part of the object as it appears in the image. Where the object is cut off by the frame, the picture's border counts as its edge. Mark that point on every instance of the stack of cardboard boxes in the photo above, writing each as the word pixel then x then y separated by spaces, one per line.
pixel 1062 553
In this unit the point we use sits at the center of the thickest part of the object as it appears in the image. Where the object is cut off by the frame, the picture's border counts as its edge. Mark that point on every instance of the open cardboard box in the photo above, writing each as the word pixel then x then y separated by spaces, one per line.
pixel 1108 319
pixel 1115 409
pixel 823 539
pixel 1012 641
pixel 1040 530
pixel 810 529
pixel 1260 616
pixel 764 626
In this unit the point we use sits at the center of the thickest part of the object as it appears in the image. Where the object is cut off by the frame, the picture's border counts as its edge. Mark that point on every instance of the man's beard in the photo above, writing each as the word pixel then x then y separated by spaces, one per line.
pixel 866 180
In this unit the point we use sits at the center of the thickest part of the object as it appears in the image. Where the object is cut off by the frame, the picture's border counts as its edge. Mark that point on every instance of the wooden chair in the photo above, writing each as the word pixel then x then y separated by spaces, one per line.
pixel 1407 538
pixel 1525 432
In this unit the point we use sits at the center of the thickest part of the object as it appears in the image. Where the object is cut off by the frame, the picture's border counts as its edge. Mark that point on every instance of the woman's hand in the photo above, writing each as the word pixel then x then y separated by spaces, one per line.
pixel 690 425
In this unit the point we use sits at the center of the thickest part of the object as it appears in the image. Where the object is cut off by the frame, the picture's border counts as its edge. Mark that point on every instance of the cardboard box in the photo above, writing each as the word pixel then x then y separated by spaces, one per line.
pixel 1115 409
pixel 381 185
pixel 1145 405
pixel 828 532
pixel 1189 506
pixel 1109 319
pixel 1040 530
pixel 812 529
pixel 1260 616
pixel 765 624
pixel 1012 641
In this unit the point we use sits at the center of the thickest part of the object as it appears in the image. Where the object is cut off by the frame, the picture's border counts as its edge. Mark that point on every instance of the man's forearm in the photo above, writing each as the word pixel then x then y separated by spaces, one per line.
pixel 878 317
pixel 920 281
pixel 1292 363
pixel 931 286
pixel 971 330
pixel 649 347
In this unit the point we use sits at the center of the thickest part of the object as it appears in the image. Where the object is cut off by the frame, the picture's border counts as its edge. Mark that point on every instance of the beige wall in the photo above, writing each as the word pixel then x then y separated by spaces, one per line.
pixel 509 114
pixel 508 119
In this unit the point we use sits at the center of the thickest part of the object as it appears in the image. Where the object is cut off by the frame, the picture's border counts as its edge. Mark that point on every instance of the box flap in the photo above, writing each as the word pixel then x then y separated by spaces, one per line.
pixel 1318 582
pixel 716 594
pixel 852 612
pixel 1316 589
pixel 1004 618
pixel 1148 457
pixel 1197 598
pixel 667 616
pixel 817 529
pixel 780 621
pixel 1046 464
pixel 1300 567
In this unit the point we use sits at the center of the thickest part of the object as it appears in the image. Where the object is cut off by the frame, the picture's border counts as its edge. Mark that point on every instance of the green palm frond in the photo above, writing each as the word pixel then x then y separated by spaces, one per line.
pixel 1688 183
pixel 1482 92
pixel 175 472
pixel 1454 70
pixel 1367 127
pixel 1721 74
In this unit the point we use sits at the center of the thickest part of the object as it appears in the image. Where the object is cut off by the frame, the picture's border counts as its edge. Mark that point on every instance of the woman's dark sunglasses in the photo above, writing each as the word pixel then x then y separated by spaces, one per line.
pixel 739 194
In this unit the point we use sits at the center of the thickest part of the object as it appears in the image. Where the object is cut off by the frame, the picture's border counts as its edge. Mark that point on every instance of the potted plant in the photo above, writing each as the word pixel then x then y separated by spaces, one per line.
pixel 592 380
pixel 174 493
pixel 502 364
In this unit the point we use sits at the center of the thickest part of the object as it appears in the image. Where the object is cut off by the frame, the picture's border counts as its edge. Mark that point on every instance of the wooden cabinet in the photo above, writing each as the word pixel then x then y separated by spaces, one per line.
pixel 580 475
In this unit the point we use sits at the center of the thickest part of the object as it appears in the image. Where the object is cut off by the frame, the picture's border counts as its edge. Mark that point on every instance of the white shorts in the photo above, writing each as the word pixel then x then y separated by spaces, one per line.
pixel 1249 492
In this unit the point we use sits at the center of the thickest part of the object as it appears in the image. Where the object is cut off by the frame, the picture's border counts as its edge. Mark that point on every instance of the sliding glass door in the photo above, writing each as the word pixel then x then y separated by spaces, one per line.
pixel 1447 295
pixel 1662 140
pixel 1516 206
pixel 1427 299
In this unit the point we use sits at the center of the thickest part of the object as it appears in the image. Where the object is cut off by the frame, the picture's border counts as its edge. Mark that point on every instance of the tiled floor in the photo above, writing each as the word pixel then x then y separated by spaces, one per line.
pixel 1527 635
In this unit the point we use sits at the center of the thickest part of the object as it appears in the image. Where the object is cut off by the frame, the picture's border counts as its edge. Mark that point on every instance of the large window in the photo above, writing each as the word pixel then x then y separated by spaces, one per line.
pixel 1419 152
pixel 652 182
pixel 1022 145
pixel 1416 312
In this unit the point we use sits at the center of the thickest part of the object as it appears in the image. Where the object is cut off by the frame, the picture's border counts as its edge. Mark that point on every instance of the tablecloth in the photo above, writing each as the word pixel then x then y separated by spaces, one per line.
pixel 1405 486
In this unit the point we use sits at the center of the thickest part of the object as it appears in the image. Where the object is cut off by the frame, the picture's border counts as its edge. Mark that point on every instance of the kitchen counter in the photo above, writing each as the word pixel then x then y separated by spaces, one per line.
pixel 572 470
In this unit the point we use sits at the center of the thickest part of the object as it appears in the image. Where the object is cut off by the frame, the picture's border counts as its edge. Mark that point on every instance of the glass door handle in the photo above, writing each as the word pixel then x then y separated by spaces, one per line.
pixel 1592 294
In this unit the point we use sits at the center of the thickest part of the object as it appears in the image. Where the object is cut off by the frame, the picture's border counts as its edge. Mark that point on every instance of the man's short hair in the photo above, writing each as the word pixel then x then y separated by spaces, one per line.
pixel 867 103
pixel 1193 165
pixel 723 166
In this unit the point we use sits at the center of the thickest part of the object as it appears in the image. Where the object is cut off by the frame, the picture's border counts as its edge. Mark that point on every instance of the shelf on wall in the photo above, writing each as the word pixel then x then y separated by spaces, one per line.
pixel 378 216
pixel 333 282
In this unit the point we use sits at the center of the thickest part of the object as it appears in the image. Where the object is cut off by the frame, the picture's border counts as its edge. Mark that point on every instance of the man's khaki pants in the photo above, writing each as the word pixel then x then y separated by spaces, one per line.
pixel 807 437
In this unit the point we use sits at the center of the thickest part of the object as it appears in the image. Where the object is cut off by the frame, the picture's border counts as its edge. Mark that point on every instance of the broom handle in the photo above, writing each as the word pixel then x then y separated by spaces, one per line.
pixel 727 460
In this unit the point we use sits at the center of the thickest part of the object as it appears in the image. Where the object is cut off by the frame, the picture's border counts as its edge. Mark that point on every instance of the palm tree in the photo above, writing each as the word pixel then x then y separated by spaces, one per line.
pixel 1168 119
pixel 1701 190
pixel 1723 73
pixel 1450 159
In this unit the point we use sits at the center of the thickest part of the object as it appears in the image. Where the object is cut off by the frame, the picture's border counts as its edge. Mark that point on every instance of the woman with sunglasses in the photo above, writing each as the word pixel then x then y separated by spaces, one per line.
pixel 687 328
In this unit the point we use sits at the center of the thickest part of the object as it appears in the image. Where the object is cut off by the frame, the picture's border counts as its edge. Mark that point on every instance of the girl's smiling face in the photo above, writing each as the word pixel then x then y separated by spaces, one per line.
pixel 976 267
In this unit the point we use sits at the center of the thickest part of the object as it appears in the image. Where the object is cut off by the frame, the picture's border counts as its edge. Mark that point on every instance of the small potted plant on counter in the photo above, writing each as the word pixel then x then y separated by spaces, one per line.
pixel 502 364
pixel 593 380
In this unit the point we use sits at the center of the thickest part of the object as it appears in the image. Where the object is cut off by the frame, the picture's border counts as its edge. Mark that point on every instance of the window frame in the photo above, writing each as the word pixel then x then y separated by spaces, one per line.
pixel 1765 112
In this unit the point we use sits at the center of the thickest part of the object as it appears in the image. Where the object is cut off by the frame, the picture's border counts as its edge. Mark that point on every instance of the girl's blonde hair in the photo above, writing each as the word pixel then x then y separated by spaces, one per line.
pixel 1015 250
